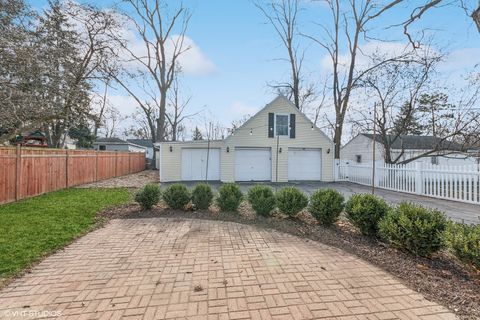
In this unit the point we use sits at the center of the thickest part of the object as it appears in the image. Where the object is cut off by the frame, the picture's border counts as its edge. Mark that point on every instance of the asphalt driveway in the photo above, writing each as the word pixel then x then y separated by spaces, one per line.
pixel 457 211
pixel 161 268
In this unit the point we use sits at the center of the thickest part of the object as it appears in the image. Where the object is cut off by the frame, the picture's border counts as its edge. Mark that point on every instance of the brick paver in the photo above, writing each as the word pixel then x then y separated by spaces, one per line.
pixel 195 269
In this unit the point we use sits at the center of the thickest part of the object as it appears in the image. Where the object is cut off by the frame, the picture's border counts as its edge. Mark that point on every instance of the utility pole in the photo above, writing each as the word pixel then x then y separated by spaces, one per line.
pixel 374 145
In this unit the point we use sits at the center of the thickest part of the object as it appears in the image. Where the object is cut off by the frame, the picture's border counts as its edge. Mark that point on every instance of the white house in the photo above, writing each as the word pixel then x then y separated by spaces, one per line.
pixel 277 144
pixel 359 150
pixel 116 144
pixel 147 143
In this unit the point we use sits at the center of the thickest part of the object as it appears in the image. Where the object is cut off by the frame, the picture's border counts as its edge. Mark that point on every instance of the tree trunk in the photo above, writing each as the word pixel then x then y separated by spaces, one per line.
pixel 337 138
pixel 161 118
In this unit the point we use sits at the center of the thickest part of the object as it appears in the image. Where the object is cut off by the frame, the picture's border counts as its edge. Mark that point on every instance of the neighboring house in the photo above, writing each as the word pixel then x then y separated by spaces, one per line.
pixel 116 144
pixel 277 144
pixel 147 143
pixel 359 150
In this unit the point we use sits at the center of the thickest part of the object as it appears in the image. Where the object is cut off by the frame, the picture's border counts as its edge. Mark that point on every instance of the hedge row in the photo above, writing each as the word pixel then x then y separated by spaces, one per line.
pixel 416 229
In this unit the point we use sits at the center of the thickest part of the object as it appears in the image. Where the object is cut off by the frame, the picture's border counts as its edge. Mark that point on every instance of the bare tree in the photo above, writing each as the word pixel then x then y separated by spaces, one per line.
pixel 112 121
pixel 80 35
pixel 399 89
pixel 177 106
pixel 140 128
pixel 283 15
pixel 163 36
pixel 350 22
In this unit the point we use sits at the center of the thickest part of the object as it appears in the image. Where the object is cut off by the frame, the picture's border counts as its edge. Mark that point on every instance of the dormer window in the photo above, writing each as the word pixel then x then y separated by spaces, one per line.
pixel 281 124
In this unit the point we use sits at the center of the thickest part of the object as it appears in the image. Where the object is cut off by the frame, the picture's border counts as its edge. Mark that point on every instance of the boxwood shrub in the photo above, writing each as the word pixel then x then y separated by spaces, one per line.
pixel 262 199
pixel 291 200
pixel 365 211
pixel 202 196
pixel 414 228
pixel 326 206
pixel 229 197
pixel 148 196
pixel 464 242
pixel 176 196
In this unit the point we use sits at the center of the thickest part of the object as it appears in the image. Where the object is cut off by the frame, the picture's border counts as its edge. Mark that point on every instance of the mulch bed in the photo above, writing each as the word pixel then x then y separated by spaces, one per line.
pixel 441 278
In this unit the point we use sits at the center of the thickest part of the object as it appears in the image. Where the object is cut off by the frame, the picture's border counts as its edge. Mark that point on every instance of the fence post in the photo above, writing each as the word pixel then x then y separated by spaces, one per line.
pixel 418 178
pixel 347 171
pixel 96 165
pixel 116 160
pixel 378 171
pixel 18 174
pixel 67 166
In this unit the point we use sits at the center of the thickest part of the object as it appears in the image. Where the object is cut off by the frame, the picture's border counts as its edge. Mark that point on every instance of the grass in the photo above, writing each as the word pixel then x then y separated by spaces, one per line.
pixel 32 228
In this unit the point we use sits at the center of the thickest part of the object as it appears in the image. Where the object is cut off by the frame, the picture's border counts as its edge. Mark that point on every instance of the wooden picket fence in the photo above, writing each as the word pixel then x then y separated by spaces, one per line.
pixel 27 172
pixel 457 183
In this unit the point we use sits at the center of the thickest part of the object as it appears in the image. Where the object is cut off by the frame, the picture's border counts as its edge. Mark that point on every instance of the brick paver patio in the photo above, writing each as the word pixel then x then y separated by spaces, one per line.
pixel 195 269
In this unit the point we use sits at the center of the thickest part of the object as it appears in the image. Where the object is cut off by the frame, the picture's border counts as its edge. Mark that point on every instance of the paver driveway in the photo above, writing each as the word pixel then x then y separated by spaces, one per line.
pixel 197 269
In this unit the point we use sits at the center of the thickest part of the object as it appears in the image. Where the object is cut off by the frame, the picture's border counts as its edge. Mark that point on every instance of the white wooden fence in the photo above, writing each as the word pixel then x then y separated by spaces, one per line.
pixel 458 183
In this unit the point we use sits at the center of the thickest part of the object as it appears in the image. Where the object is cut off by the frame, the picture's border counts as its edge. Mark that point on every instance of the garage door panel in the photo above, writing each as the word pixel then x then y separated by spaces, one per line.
pixel 304 164
pixel 194 164
pixel 253 164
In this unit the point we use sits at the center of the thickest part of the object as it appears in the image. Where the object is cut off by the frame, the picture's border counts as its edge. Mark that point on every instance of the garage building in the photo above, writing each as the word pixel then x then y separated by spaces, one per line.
pixel 277 144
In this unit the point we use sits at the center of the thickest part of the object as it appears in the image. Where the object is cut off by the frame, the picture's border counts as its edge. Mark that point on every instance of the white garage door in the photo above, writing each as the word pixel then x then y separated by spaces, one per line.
pixel 194 164
pixel 304 164
pixel 253 164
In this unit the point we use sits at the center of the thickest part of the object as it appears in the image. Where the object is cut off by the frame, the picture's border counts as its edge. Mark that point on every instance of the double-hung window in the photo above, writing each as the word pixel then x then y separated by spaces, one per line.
pixel 281 124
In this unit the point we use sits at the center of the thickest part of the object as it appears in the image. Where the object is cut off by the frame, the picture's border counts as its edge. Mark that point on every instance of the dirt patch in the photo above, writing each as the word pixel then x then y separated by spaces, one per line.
pixel 135 180
pixel 441 278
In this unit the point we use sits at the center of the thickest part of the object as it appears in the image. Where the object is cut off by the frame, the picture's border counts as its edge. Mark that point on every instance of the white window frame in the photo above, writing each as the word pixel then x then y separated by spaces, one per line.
pixel 275 124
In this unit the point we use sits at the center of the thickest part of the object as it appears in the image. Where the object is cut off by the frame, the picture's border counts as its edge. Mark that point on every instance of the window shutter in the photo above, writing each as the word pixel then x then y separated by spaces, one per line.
pixel 292 126
pixel 270 125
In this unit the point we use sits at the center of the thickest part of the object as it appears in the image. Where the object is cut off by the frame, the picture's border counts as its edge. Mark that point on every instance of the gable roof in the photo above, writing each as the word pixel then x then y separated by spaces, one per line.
pixel 282 98
pixel 110 140
pixel 142 142
pixel 415 142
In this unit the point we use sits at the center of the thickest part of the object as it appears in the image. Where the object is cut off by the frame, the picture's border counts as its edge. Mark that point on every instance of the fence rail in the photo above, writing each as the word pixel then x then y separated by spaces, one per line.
pixel 458 183
pixel 27 172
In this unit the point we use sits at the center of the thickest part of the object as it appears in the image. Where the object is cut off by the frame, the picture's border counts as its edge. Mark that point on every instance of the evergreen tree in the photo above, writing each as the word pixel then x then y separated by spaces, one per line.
pixel 406 121
pixel 435 110
pixel 197 135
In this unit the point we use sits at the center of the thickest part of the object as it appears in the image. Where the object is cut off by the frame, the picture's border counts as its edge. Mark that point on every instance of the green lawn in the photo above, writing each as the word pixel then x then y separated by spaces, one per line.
pixel 32 228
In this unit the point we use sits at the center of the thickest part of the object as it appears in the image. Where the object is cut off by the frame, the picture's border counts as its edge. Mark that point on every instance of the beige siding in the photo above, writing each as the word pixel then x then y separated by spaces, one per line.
pixel 171 162
pixel 305 137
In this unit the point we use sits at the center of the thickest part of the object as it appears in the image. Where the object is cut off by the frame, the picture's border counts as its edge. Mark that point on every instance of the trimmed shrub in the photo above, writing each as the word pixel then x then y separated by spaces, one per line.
pixel 148 196
pixel 229 197
pixel 202 196
pixel 291 201
pixel 262 199
pixel 365 211
pixel 464 241
pixel 414 228
pixel 176 196
pixel 326 206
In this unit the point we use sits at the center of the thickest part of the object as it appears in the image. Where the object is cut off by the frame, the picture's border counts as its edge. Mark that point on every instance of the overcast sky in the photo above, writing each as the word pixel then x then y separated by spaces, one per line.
pixel 235 54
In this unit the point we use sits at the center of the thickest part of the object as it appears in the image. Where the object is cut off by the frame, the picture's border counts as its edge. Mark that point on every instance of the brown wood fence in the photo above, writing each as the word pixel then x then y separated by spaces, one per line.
pixel 27 172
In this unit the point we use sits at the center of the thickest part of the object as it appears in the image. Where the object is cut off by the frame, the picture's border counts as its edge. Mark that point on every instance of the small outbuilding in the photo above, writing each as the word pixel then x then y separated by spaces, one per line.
pixel 116 144
pixel 277 144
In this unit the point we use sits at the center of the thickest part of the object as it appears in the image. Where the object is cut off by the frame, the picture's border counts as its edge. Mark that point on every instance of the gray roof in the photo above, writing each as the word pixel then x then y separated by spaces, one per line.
pixel 413 142
pixel 110 140
pixel 142 142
